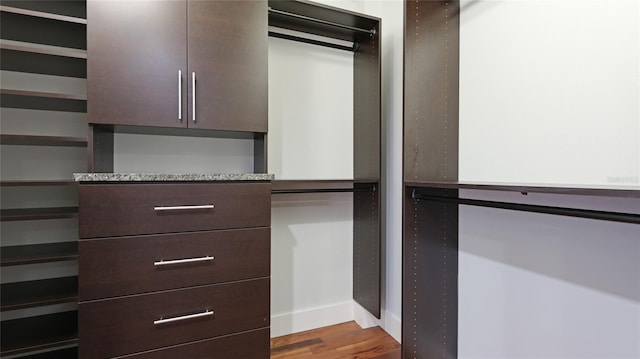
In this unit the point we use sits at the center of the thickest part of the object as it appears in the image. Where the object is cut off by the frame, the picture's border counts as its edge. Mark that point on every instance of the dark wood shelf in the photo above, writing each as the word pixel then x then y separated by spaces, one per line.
pixel 321 186
pixel 49 50
pixel 37 183
pixel 280 185
pixel 39 333
pixel 26 214
pixel 61 353
pixel 29 140
pixel 36 100
pixel 43 15
pixel 26 100
pixel 321 20
pixel 33 58
pixel 56 95
pixel 36 293
pixel 38 253
pixel 526 188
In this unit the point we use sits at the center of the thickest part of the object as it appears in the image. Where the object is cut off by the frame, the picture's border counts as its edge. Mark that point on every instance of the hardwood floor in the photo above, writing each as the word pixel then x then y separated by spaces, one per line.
pixel 340 341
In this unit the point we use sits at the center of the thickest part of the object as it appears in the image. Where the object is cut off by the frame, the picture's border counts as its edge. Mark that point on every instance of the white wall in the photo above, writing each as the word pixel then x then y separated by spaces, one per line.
pixel 311 261
pixel 137 153
pixel 544 286
pixel 550 92
pixel 310 111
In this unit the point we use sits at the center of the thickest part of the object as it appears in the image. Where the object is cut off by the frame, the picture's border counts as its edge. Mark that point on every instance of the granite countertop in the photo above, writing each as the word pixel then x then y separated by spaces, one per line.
pixel 170 177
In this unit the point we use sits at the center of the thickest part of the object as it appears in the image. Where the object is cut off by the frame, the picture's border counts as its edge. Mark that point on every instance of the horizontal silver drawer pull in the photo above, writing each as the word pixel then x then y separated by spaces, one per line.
pixel 180 261
pixel 184 317
pixel 178 208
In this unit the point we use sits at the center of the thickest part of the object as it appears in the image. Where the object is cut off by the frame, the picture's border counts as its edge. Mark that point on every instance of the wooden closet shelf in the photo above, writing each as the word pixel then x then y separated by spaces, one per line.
pixel 526 188
pixel 26 214
pixel 37 183
pixel 33 101
pixel 42 15
pixel 30 140
pixel 36 293
pixel 320 186
pixel 41 49
pixel 39 333
pixel 56 95
pixel 38 253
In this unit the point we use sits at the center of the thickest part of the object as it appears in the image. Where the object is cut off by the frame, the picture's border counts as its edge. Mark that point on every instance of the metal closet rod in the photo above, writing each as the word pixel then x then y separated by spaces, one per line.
pixel 313 42
pixel 329 23
pixel 323 190
pixel 561 211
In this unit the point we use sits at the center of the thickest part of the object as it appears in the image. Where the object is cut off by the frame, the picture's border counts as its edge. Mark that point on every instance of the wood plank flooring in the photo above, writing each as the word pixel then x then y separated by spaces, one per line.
pixel 340 341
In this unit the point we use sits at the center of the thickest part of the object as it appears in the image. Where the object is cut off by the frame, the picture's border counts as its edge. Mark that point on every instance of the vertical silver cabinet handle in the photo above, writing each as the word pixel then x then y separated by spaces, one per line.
pixel 193 95
pixel 180 95
pixel 184 317
pixel 182 261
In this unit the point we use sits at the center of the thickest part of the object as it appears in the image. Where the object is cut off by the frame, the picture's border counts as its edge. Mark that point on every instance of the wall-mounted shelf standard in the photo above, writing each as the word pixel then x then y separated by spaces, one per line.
pixel 37 293
pixel 28 214
pixel 38 253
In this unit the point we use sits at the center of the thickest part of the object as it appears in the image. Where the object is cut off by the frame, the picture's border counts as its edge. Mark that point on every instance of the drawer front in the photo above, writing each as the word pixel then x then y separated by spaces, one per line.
pixel 249 345
pixel 130 265
pixel 122 326
pixel 108 210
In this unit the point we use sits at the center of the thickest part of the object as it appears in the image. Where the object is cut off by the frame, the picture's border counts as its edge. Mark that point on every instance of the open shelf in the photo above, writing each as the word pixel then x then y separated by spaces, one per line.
pixel 321 20
pixel 37 183
pixel 11 99
pixel 526 188
pixel 38 253
pixel 310 186
pixel 42 49
pixel 42 15
pixel 27 214
pixel 55 95
pixel 19 56
pixel 38 293
pixel 61 353
pixel 29 140
pixel 322 186
pixel 39 333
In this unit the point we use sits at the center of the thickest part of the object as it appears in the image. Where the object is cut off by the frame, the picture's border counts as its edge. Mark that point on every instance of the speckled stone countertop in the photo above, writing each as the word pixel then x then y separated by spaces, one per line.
pixel 170 177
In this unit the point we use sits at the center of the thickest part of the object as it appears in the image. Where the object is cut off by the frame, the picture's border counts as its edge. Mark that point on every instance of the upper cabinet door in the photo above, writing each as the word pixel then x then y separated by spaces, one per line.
pixel 136 50
pixel 227 54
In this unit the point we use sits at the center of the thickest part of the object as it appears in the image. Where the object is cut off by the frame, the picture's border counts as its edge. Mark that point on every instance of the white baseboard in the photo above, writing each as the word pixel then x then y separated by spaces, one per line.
pixel 390 323
pixel 288 323
pixel 363 317
pixel 393 326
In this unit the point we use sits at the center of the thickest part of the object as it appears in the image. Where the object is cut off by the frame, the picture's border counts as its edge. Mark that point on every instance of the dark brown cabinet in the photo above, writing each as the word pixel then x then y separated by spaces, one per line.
pixel 190 63
pixel 171 268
